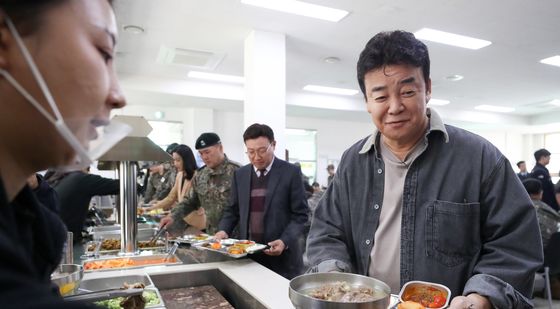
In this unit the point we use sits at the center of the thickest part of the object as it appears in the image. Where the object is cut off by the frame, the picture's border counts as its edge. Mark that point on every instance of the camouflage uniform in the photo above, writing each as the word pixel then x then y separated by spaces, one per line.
pixel 210 189
pixel 159 185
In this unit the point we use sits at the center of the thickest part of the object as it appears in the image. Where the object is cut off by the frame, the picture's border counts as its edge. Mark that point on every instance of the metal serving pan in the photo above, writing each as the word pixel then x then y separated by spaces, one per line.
pixel 137 262
pixel 301 285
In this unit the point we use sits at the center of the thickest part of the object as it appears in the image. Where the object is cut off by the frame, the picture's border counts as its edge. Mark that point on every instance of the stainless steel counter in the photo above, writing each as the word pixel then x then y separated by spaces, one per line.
pixel 245 283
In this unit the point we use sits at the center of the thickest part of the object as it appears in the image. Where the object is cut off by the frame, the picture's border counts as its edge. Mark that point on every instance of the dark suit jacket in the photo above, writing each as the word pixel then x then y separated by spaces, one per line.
pixel 285 214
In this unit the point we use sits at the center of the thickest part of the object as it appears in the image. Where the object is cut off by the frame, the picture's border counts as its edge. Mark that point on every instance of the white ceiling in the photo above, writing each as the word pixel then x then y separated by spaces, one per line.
pixel 506 73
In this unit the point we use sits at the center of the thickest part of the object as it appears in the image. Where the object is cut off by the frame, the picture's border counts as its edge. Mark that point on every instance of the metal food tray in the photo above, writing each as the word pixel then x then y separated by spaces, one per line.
pixel 192 240
pixel 134 258
pixel 226 243
pixel 98 284
pixel 159 246
pixel 158 294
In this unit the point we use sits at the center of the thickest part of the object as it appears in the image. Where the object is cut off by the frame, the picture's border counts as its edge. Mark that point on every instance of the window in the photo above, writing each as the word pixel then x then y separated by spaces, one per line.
pixel 302 145
pixel 165 133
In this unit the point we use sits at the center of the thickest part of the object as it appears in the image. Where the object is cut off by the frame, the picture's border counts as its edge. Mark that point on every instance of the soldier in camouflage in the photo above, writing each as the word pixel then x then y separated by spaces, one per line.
pixel 210 186
pixel 160 182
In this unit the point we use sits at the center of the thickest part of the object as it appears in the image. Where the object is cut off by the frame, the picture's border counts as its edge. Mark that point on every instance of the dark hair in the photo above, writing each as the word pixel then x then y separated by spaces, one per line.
pixel 257 130
pixel 520 162
pixel 27 14
pixel 532 185
pixel 189 162
pixel 541 153
pixel 390 48
pixel 171 147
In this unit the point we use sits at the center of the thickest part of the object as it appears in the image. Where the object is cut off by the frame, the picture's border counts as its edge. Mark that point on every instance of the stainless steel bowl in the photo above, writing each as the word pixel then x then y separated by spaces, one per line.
pixel 299 285
pixel 68 277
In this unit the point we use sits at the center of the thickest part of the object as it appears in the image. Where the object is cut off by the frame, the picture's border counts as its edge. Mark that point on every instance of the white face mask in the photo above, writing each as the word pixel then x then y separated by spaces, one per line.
pixel 107 136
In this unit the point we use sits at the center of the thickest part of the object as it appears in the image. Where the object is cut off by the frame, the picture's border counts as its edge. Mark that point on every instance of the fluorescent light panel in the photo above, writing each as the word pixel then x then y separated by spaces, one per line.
pixel 438 102
pixel 217 77
pixel 330 90
pixel 554 60
pixel 450 38
pixel 555 102
pixel 493 108
pixel 300 8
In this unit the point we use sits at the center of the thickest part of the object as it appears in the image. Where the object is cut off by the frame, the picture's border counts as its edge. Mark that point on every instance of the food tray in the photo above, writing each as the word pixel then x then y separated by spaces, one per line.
pixel 90 247
pixel 114 263
pixel 194 240
pixel 226 246
pixel 160 304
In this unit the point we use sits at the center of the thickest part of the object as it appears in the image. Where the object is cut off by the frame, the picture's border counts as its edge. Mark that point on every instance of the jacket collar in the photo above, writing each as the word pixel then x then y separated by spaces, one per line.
pixel 435 124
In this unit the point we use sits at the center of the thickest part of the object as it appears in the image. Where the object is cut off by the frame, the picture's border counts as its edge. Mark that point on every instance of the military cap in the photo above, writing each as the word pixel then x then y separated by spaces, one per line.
pixel 206 140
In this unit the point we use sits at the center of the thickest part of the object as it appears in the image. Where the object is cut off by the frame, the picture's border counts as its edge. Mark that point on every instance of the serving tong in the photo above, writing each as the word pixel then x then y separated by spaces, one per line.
pixel 92 296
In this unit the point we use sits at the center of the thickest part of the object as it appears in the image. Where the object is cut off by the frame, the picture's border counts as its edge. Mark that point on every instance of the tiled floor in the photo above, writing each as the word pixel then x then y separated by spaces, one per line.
pixel 541 303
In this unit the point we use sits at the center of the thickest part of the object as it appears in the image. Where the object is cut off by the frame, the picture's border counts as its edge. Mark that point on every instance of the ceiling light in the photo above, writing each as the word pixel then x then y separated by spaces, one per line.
pixel 555 102
pixel 133 29
pixel 331 60
pixel 493 108
pixel 450 38
pixel 217 77
pixel 300 8
pixel 438 102
pixel 330 90
pixel 454 77
pixel 554 60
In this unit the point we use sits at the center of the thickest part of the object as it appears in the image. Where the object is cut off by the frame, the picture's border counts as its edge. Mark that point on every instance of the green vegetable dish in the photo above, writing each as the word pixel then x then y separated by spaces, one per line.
pixel 150 297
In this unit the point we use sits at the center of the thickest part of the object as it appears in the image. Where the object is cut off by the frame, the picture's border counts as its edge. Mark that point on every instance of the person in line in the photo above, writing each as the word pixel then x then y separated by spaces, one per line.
pixel 330 170
pixel 211 185
pixel 75 190
pixel 540 172
pixel 268 203
pixel 523 174
pixel 57 84
pixel 421 200
pixel 313 201
pixel 44 192
pixel 159 182
pixel 185 165
pixel 549 221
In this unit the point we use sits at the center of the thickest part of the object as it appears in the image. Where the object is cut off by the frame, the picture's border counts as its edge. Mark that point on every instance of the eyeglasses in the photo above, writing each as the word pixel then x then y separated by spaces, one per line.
pixel 260 151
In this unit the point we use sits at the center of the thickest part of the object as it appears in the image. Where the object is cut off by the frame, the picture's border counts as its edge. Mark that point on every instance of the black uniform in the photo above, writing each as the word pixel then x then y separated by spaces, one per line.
pixel 31 241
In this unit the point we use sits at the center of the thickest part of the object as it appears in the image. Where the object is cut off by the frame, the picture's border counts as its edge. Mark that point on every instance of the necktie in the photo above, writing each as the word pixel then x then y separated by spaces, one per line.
pixel 261 172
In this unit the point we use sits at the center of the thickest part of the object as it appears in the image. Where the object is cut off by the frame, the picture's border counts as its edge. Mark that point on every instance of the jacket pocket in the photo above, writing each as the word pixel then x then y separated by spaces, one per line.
pixel 453 232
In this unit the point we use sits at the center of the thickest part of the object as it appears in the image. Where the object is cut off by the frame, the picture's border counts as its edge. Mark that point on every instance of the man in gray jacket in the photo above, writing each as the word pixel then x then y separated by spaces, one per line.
pixel 421 200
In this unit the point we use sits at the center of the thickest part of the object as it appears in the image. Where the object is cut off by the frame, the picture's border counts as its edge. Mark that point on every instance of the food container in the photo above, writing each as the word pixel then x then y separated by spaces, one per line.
pixel 427 294
pixel 151 295
pixel 112 263
pixel 67 277
pixel 302 286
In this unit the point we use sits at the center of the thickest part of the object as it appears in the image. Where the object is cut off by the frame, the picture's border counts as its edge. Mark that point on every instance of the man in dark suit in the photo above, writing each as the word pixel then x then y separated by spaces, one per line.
pixel 523 174
pixel 540 172
pixel 268 204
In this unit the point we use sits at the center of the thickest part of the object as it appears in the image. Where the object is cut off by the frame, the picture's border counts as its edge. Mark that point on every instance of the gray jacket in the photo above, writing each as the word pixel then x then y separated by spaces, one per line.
pixel 467 221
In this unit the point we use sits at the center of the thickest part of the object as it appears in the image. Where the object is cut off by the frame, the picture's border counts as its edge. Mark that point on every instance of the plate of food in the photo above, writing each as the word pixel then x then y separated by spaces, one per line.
pixel 194 239
pixel 233 247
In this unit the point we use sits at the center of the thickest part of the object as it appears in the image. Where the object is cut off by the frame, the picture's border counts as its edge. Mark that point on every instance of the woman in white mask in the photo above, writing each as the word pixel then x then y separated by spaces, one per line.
pixel 57 85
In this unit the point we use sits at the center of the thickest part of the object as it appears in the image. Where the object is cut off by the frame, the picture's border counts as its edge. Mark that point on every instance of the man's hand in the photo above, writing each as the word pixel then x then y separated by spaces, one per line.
pixel 32 181
pixel 471 301
pixel 221 235
pixel 276 247
pixel 165 221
